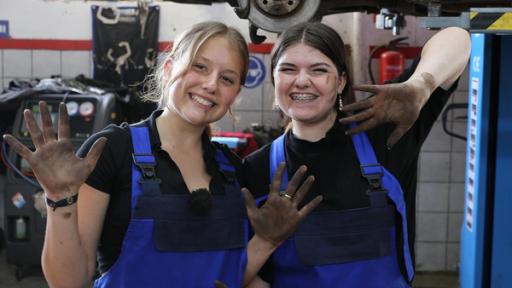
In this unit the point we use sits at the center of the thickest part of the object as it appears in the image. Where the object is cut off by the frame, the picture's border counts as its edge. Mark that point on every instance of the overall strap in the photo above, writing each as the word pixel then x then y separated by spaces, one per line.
pixel 277 156
pixel 144 160
pixel 374 173
pixel 371 170
pixel 225 166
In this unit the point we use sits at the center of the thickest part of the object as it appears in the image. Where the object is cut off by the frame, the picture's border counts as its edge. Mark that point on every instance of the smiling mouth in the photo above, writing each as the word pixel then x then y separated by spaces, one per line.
pixel 303 97
pixel 202 101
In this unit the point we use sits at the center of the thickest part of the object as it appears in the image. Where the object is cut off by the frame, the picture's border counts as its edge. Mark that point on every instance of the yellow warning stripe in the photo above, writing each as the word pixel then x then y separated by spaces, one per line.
pixel 503 23
pixel 490 21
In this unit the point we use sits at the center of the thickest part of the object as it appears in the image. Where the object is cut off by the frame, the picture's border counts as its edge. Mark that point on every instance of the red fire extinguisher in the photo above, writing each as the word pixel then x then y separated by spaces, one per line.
pixel 392 61
pixel 391 65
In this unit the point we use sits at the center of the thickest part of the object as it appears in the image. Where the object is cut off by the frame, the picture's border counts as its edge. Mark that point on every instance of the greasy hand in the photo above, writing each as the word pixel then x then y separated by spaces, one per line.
pixel 278 218
pixel 59 171
pixel 399 103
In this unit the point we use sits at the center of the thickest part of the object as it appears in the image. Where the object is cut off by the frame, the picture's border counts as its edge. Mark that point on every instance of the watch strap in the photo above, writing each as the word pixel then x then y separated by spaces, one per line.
pixel 63 202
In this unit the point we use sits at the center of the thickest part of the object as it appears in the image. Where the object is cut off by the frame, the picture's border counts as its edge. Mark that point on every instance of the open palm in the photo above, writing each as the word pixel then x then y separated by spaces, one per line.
pixel 399 103
pixel 279 217
pixel 59 171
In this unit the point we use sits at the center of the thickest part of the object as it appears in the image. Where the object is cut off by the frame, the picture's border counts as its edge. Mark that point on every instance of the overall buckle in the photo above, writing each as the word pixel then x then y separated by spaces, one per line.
pixel 148 170
pixel 377 193
pixel 374 179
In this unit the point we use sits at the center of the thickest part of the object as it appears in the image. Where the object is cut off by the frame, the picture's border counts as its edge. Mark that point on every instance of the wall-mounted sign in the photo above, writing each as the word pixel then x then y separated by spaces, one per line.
pixel 4 29
pixel 257 72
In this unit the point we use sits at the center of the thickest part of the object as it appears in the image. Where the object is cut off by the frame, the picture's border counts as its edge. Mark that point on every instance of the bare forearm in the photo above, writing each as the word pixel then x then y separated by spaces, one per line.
pixel 444 57
pixel 258 251
pixel 64 260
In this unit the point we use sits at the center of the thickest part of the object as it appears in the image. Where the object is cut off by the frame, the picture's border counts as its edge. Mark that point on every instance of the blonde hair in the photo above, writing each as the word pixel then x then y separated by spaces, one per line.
pixel 184 51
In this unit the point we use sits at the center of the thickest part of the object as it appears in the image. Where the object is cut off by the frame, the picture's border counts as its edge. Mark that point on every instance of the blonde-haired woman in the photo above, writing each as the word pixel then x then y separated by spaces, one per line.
pixel 159 205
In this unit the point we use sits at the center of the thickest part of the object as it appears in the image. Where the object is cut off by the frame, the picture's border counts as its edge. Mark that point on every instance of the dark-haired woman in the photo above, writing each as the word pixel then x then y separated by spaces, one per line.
pixel 361 233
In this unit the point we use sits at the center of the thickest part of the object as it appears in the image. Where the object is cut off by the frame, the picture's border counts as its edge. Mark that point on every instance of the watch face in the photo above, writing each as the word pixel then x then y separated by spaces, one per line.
pixel 86 108
pixel 72 107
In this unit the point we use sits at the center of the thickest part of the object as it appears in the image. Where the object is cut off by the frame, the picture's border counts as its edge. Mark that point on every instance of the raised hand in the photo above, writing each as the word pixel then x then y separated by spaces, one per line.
pixel 59 171
pixel 278 218
pixel 397 103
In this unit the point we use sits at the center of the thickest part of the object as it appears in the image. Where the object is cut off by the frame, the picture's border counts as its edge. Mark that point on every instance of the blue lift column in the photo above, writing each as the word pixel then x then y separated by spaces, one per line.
pixel 486 237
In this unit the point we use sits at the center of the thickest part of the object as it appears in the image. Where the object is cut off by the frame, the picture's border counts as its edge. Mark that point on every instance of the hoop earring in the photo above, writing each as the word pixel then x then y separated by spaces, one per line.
pixel 340 102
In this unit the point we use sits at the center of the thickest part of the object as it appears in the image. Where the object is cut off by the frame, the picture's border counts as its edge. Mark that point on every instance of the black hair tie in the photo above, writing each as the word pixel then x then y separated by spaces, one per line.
pixel 200 202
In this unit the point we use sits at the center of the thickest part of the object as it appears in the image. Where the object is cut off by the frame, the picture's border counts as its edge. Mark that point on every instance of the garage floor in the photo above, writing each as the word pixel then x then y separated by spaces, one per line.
pixel 35 279
pixel 436 280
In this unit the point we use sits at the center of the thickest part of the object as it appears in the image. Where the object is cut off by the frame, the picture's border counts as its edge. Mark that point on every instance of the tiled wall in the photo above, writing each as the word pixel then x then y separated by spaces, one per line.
pixel 254 105
pixel 440 186
pixel 440 195
pixel 28 64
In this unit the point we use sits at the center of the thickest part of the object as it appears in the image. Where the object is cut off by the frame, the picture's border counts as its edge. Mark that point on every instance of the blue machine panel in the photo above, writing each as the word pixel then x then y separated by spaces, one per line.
pixel 473 228
pixel 486 238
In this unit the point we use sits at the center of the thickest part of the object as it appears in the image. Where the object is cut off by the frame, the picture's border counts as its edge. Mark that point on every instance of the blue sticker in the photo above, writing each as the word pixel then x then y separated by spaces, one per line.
pixel 4 29
pixel 18 200
pixel 257 72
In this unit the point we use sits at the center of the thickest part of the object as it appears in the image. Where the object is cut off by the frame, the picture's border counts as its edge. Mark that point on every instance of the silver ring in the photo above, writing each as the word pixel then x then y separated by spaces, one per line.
pixel 287 196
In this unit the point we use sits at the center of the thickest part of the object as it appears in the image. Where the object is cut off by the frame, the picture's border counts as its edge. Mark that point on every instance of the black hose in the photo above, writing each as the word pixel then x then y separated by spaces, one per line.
pixel 15 169
pixel 450 107
pixel 370 72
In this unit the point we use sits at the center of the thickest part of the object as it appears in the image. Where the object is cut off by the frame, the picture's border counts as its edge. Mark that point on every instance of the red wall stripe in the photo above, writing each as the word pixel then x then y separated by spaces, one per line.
pixel 86 45
pixel 264 48
pixel 163 46
pixel 44 44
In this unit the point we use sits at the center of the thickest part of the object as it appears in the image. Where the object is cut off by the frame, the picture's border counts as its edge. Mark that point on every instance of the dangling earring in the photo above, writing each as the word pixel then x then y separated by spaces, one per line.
pixel 340 102
pixel 232 115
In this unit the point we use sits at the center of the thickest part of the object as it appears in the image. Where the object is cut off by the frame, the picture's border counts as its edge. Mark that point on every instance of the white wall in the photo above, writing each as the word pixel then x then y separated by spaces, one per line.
pixel 71 19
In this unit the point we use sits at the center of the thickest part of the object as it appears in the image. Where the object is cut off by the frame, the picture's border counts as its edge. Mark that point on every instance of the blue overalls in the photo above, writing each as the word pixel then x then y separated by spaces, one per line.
pixel 347 248
pixel 168 246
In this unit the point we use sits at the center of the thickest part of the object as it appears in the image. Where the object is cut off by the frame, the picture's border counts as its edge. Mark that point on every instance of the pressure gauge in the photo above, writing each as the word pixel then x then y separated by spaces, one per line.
pixel 72 107
pixel 86 109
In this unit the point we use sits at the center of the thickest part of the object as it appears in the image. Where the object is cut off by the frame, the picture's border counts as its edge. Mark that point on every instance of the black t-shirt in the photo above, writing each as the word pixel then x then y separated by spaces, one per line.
pixel 112 175
pixel 334 163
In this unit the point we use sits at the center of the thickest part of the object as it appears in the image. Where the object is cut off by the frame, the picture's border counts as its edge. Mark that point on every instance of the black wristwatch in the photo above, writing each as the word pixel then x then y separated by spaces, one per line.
pixel 63 202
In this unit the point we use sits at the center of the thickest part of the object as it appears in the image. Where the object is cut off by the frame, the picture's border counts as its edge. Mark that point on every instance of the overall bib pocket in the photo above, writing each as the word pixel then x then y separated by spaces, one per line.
pixel 176 229
pixel 336 237
pixel 194 235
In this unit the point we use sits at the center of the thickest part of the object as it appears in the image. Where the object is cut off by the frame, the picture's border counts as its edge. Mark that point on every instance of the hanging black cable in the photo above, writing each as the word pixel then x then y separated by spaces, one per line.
pixel 15 169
